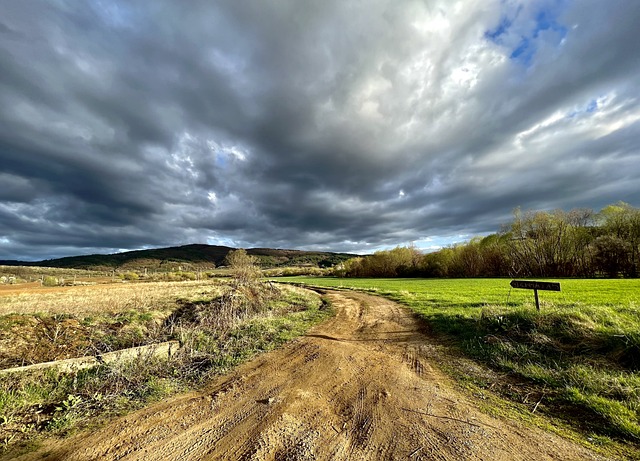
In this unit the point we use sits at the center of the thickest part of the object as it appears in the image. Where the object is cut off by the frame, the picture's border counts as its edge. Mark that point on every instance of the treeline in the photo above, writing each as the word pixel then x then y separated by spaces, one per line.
pixel 577 243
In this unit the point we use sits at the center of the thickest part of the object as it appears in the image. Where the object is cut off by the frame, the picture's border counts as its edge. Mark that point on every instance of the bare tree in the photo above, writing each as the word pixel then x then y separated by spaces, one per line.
pixel 244 267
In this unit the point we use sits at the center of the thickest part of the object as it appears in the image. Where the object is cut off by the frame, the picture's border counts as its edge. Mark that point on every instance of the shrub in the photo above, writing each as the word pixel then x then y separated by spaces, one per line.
pixel 184 275
pixel 50 281
pixel 130 276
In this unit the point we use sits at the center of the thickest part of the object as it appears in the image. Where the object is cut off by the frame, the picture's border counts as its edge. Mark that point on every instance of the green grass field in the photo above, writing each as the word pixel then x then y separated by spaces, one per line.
pixel 581 351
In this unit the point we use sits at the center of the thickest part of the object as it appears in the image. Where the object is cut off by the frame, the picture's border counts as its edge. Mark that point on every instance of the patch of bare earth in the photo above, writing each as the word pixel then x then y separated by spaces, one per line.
pixel 358 387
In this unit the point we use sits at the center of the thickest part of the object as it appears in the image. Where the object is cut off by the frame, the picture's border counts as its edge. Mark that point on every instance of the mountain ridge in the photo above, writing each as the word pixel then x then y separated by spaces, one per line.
pixel 191 256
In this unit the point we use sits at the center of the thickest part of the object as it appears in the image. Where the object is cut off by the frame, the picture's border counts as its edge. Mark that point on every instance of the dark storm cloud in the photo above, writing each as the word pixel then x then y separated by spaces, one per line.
pixel 332 125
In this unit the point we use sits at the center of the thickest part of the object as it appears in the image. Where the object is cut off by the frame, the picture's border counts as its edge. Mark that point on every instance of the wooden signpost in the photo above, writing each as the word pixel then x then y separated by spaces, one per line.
pixel 535 286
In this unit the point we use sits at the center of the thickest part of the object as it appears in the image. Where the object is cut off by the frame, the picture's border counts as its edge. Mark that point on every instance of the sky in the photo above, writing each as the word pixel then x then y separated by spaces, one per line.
pixel 338 125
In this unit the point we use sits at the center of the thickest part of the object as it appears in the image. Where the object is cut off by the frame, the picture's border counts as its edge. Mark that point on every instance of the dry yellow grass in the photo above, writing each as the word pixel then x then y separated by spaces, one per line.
pixel 117 297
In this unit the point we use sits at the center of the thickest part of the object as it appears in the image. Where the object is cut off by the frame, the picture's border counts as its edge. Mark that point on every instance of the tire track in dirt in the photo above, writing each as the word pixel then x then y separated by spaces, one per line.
pixel 357 387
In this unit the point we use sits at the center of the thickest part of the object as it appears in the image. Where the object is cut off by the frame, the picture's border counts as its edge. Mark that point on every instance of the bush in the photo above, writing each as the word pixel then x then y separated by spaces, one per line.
pixel 130 276
pixel 50 281
pixel 184 275
pixel 180 276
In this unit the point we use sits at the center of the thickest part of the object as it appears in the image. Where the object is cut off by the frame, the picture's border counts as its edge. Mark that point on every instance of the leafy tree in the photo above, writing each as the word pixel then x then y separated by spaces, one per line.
pixel 398 262
pixel 613 255
pixel 623 222
pixel 495 255
pixel 439 263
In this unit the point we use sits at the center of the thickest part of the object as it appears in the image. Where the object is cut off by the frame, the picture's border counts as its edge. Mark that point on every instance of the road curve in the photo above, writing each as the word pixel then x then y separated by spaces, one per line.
pixel 357 387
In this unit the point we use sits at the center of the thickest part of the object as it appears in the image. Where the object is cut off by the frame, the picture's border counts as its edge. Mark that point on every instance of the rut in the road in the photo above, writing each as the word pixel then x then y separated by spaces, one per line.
pixel 358 387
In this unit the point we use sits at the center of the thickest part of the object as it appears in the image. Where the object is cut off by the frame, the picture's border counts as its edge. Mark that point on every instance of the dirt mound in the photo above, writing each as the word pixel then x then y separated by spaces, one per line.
pixel 358 387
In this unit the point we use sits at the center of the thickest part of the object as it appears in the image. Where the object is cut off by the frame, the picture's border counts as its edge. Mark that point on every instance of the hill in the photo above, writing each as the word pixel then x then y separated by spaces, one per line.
pixel 187 257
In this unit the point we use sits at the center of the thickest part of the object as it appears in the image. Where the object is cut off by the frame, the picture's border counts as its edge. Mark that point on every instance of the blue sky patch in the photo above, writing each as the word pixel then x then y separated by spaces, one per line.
pixel 495 34
pixel 547 19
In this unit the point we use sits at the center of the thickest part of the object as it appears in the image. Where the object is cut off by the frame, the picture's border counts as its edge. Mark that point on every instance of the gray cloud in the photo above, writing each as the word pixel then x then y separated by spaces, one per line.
pixel 332 125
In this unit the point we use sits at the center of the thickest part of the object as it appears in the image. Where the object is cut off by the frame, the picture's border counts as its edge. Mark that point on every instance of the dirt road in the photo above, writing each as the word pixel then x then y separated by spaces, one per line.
pixel 358 387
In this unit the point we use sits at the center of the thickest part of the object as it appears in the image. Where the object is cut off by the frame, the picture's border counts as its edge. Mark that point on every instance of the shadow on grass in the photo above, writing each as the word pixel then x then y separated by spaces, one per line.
pixel 553 356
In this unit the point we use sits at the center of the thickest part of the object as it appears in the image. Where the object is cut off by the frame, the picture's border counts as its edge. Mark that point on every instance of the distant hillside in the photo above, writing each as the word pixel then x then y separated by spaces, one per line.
pixel 188 257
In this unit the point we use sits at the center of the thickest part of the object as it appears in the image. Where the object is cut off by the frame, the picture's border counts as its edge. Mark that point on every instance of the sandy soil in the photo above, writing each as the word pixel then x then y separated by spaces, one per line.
pixel 358 387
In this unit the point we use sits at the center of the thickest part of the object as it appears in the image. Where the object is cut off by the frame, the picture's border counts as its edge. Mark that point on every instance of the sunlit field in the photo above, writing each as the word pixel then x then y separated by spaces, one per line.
pixel 102 298
pixel 473 293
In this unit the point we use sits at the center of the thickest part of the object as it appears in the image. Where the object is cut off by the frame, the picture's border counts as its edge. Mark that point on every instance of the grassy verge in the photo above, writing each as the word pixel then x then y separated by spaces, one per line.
pixel 216 332
pixel 578 358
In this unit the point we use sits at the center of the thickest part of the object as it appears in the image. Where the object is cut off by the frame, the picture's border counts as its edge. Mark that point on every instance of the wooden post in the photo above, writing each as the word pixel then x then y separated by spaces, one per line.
pixel 535 292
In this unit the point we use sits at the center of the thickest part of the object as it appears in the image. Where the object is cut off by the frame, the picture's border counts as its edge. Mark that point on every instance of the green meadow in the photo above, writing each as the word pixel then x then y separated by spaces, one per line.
pixel 581 351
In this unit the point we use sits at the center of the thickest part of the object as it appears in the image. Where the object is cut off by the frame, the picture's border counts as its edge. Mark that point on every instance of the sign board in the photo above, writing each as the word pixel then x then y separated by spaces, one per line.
pixel 533 285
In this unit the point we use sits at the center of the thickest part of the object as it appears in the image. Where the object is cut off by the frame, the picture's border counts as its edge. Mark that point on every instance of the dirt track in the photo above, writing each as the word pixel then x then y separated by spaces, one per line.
pixel 358 387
